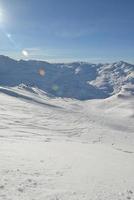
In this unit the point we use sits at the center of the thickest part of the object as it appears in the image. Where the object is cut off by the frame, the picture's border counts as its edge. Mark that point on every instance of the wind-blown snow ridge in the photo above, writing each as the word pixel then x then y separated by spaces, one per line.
pixel 77 80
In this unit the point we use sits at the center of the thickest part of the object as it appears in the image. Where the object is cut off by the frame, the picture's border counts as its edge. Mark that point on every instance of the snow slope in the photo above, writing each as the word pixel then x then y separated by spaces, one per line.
pixel 60 149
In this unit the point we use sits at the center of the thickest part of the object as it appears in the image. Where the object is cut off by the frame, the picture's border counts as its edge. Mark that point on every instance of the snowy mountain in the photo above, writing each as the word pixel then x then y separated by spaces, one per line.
pixel 78 80
pixel 63 148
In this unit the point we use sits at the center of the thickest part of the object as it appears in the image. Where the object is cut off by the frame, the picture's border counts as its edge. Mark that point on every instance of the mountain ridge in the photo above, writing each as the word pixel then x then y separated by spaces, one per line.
pixel 79 80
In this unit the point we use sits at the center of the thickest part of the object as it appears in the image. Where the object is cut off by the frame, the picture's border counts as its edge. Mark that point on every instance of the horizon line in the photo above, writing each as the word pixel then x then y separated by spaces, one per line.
pixel 65 62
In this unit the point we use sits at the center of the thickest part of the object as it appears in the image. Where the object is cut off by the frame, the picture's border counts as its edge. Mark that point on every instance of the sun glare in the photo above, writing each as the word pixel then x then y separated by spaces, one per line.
pixel 25 53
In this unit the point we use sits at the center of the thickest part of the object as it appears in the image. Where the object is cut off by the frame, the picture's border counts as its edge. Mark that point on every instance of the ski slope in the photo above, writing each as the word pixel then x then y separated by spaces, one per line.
pixel 60 149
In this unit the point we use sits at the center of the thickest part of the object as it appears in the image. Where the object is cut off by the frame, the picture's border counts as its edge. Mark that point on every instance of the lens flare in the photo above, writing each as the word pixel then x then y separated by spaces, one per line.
pixel 55 88
pixel 9 35
pixel 41 72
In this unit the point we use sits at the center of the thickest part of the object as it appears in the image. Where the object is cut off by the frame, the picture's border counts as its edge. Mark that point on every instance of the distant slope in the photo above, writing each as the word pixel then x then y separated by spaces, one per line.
pixel 74 80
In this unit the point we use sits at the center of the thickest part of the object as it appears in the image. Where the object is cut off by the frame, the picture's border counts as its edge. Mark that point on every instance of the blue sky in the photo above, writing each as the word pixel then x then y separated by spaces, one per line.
pixel 68 30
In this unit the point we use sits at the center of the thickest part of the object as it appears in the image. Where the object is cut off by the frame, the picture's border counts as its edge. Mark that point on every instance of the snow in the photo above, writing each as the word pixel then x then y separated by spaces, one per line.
pixel 65 149
pixel 57 148
pixel 77 80
pixel 64 170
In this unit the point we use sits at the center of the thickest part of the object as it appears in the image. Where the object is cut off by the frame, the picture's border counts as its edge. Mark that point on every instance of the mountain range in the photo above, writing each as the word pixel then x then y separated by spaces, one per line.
pixel 78 80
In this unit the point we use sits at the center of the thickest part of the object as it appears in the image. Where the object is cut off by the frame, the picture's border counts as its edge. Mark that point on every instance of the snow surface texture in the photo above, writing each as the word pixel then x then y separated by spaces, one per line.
pixel 57 148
